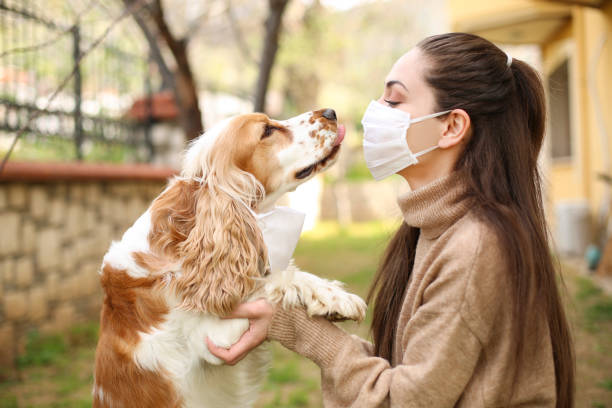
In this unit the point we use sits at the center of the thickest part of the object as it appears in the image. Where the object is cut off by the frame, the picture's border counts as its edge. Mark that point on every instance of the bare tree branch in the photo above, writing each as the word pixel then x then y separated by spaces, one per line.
pixel 156 54
pixel 238 37
pixel 67 30
pixel 66 80
pixel 196 23
pixel 273 25
pixel 191 116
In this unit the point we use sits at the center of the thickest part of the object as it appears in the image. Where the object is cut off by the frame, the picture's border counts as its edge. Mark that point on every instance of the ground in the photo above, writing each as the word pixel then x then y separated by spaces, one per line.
pixel 56 371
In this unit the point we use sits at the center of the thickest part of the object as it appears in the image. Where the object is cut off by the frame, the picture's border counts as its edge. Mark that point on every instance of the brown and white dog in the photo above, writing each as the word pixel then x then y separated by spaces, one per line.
pixel 195 254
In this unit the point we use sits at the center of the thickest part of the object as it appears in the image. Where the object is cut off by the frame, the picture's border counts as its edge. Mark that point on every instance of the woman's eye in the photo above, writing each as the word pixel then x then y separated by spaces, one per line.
pixel 392 103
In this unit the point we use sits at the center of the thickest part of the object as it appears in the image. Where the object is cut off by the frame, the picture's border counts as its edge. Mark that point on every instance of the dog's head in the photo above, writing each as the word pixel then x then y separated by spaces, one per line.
pixel 280 155
pixel 204 217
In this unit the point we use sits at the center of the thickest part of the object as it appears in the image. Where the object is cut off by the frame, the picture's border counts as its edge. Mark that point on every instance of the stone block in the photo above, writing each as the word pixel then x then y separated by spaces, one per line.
pixel 70 257
pixel 39 202
pixel 24 272
pixel 104 236
pixel 64 316
pixel 38 304
pixel 90 221
pixel 76 192
pixel 3 197
pixel 48 244
pixel 74 219
pixel 118 212
pixel 135 208
pixel 7 271
pixel 17 196
pixel 60 191
pixel 7 345
pixel 69 288
pixel 89 278
pixel 15 305
pixel 57 212
pixel 106 207
pixel 28 237
pixel 51 286
pixel 9 236
pixel 93 194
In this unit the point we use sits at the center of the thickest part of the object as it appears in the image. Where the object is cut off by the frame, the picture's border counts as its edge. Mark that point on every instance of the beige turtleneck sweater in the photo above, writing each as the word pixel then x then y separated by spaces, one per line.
pixel 453 342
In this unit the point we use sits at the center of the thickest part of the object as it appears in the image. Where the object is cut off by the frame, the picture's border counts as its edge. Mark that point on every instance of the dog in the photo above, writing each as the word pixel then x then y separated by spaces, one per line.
pixel 196 253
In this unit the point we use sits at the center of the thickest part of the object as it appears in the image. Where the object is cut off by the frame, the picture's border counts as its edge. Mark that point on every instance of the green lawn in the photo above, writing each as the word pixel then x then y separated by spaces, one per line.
pixel 50 376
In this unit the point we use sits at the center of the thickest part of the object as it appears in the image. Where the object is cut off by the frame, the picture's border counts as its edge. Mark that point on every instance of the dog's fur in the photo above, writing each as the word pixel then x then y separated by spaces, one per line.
pixel 197 253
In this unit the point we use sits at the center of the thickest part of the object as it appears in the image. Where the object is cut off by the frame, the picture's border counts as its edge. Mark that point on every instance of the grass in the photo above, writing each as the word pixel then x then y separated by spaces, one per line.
pixel 56 371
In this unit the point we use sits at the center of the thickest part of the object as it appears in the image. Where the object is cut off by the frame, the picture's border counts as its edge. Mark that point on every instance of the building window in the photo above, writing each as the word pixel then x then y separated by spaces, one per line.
pixel 560 118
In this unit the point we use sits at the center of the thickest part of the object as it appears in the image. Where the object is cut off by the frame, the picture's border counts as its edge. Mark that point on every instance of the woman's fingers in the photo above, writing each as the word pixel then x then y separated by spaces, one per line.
pixel 249 340
pixel 249 310
pixel 260 314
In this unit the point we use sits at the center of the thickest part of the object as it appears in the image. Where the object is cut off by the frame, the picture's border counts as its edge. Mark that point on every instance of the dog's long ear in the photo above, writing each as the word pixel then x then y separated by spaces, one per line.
pixel 224 250
pixel 221 255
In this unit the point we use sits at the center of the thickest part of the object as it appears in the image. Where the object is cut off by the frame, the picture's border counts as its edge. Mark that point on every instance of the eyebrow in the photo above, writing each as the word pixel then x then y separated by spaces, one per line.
pixel 389 84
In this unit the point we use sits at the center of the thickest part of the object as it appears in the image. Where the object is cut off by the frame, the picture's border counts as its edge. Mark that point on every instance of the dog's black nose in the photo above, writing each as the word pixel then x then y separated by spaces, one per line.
pixel 329 114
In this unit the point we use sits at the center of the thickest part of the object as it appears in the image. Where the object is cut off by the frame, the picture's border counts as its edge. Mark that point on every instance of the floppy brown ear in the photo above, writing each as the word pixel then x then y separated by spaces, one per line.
pixel 221 255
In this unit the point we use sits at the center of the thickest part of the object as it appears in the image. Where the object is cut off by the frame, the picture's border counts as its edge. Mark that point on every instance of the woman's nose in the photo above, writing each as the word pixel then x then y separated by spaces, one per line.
pixel 329 114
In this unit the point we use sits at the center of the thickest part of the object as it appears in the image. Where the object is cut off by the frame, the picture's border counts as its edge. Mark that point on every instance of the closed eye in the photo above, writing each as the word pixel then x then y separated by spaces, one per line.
pixel 268 130
pixel 392 103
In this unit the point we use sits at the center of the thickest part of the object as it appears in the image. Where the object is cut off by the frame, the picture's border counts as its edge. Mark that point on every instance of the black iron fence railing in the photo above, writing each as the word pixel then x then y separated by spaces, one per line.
pixel 39 47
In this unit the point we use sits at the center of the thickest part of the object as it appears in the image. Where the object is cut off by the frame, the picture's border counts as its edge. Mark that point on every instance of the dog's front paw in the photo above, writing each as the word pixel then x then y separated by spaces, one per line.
pixel 336 304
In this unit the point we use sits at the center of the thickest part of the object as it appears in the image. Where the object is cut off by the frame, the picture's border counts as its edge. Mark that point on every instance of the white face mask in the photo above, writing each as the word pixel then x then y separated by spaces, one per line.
pixel 384 139
pixel 281 229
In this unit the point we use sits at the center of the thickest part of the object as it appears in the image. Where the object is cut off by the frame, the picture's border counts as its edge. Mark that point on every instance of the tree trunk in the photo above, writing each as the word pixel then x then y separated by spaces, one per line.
pixel 187 98
pixel 273 25
pixel 182 82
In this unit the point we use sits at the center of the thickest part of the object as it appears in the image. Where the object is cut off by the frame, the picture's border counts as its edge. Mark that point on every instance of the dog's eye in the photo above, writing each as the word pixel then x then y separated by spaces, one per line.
pixel 268 130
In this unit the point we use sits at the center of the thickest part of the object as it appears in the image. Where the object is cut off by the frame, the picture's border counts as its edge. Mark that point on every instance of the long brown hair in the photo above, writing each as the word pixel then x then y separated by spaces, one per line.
pixel 507 109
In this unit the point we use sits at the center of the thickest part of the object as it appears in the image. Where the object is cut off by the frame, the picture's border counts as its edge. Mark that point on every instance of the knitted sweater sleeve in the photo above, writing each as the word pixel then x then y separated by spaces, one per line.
pixel 441 355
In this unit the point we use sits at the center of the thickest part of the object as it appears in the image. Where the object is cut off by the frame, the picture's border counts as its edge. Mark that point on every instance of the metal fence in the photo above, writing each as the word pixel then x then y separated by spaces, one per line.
pixel 41 42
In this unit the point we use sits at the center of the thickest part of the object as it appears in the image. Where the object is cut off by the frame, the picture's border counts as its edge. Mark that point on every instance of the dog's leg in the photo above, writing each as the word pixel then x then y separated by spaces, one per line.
pixel 321 297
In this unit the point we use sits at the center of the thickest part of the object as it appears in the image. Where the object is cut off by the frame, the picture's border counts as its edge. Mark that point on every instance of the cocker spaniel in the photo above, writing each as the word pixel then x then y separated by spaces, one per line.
pixel 196 253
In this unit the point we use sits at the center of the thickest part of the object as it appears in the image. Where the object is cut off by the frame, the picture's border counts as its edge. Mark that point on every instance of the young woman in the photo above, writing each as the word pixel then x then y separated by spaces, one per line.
pixel 466 307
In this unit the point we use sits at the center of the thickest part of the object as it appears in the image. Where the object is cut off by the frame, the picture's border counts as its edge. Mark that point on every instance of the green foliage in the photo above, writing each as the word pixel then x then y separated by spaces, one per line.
pixel 8 401
pixel 606 384
pixel 60 149
pixel 358 172
pixel 42 350
pixel 595 305
pixel 586 289
pixel 286 373
pixel 599 312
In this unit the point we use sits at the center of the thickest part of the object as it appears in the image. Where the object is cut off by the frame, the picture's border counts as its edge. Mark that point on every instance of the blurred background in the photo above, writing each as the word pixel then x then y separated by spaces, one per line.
pixel 98 98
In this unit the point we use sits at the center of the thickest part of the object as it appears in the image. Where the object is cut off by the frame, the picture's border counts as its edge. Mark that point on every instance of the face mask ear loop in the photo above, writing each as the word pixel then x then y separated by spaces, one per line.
pixel 422 152
pixel 432 115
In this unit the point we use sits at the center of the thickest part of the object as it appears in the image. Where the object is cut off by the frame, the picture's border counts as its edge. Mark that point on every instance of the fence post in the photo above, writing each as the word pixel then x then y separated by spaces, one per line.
pixel 78 118
pixel 148 127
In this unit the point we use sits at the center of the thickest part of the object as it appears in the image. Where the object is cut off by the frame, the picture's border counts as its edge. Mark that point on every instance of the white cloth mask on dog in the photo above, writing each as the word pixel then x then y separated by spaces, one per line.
pixel 384 139
pixel 281 229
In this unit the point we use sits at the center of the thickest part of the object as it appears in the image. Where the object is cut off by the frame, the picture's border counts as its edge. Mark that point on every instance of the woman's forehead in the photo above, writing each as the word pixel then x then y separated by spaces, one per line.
pixel 408 70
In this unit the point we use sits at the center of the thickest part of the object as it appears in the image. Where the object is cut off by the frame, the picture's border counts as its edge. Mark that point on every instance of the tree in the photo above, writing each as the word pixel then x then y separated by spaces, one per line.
pixel 181 79
pixel 270 47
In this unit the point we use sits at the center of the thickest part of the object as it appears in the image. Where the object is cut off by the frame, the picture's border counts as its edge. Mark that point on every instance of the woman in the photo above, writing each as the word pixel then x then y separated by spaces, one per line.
pixel 466 307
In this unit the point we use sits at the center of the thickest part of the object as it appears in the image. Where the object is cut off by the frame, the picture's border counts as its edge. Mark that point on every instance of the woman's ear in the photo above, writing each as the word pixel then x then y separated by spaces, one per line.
pixel 456 129
pixel 221 255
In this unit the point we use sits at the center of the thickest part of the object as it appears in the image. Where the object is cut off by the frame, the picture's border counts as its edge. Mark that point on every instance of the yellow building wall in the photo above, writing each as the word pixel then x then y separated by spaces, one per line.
pixel 593 35
pixel 590 69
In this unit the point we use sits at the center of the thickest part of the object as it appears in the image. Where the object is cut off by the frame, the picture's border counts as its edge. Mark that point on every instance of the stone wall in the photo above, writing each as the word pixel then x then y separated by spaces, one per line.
pixel 54 230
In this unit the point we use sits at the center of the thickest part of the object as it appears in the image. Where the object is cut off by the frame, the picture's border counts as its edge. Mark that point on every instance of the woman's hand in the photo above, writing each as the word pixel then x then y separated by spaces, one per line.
pixel 260 314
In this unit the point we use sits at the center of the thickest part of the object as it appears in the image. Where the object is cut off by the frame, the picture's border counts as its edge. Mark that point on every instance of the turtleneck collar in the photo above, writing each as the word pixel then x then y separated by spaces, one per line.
pixel 436 206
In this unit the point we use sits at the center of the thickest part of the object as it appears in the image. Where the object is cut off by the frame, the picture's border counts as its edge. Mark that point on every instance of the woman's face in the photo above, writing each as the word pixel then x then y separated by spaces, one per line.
pixel 406 89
